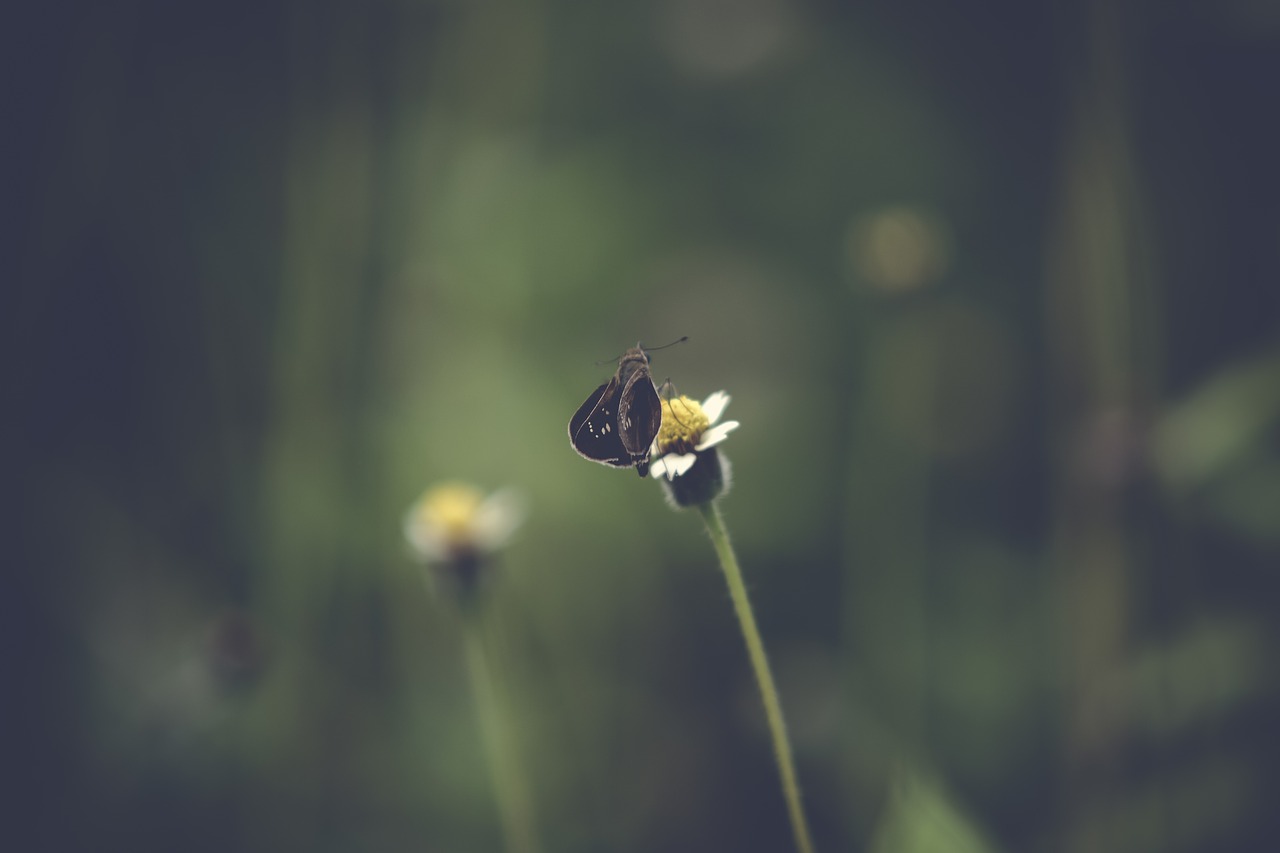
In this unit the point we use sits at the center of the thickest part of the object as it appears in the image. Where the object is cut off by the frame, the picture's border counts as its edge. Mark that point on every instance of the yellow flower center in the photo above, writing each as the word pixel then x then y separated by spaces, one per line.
pixel 450 510
pixel 683 423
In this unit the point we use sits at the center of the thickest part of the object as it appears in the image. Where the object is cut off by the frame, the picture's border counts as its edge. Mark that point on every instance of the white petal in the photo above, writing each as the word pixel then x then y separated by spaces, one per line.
pixel 672 465
pixel 678 464
pixel 716 434
pixel 498 517
pixel 714 405
pixel 426 540
pixel 658 466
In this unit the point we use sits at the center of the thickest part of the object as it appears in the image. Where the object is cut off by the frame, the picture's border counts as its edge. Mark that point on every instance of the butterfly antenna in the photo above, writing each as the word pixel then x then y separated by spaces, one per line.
pixel 642 347
pixel 664 346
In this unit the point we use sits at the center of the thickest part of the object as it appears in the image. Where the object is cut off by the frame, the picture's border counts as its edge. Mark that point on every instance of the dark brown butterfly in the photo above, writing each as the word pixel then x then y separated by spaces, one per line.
pixel 617 424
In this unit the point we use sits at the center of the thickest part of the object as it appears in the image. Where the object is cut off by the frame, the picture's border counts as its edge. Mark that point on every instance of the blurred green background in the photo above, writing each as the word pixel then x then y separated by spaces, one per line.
pixel 994 289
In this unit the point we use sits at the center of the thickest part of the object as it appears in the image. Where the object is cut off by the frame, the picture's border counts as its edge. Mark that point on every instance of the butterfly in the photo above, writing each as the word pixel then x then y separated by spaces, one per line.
pixel 618 422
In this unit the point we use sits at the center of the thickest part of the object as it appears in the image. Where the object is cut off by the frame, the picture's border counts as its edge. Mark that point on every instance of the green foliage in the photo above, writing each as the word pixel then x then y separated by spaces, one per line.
pixel 920 819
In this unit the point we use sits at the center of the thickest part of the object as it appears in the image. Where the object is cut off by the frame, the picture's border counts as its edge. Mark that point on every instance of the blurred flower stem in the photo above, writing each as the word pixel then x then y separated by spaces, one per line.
pixel 458 531
pixel 764 677
pixel 514 807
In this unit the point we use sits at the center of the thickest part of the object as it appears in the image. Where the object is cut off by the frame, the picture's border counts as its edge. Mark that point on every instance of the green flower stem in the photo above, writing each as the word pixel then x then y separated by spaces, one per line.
pixel 514 806
pixel 764 677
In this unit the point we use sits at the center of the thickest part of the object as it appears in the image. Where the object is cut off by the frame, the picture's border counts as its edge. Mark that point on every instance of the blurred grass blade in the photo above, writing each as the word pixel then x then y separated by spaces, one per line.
pixel 920 818
pixel 1217 423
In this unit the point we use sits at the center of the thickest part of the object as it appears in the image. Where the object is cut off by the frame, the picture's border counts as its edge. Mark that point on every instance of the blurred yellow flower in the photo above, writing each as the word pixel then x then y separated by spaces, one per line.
pixel 455 520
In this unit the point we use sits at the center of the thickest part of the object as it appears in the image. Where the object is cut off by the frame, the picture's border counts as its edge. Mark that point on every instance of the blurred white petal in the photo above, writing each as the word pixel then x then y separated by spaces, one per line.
pixel 427 541
pixel 498 517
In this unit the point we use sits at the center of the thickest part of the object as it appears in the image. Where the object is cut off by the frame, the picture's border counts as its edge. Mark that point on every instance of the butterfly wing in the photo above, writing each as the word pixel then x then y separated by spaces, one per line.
pixel 639 418
pixel 593 429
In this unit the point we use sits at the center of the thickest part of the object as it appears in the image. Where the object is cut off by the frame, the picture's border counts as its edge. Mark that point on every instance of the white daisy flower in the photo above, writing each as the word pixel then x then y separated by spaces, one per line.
pixel 455 521
pixel 688 429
